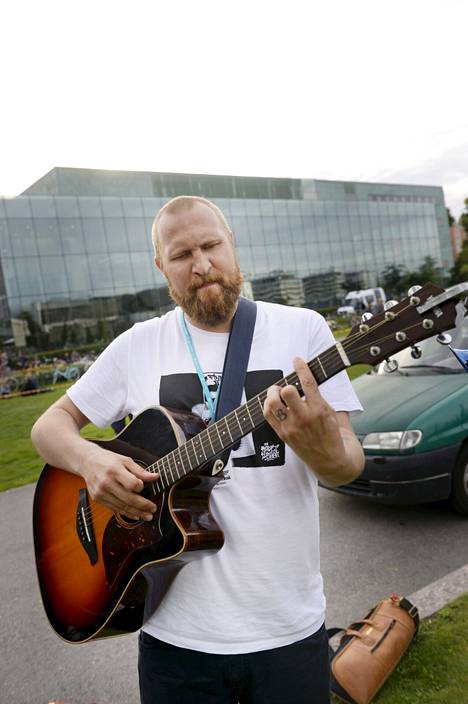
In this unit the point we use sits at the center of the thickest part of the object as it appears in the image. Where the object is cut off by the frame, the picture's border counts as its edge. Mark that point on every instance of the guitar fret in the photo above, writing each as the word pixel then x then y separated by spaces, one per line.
pixel 191 446
pixel 208 435
pixel 213 432
pixel 169 475
pixel 159 483
pixel 321 367
pixel 227 426
pixel 219 436
pixel 293 380
pixel 194 441
pixel 179 462
pixel 250 417
pixel 170 458
pixel 238 422
pixel 165 468
pixel 253 412
pixel 316 371
pixel 188 457
pixel 215 438
pixel 257 398
pixel 205 446
pixel 245 421
pixel 161 473
pixel 233 426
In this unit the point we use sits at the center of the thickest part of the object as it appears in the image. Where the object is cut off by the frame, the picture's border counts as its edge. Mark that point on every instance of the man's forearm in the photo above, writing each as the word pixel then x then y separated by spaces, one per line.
pixel 349 468
pixel 56 437
pixel 111 479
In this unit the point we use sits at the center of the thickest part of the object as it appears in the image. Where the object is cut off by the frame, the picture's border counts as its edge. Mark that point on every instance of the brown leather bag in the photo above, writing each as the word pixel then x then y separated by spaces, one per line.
pixel 371 648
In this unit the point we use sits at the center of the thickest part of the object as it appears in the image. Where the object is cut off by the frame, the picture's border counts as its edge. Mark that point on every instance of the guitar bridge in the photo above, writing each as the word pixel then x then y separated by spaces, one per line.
pixel 84 527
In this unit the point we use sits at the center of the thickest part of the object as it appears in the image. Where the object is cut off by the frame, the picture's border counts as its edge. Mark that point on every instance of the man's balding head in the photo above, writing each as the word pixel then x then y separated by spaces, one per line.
pixel 177 205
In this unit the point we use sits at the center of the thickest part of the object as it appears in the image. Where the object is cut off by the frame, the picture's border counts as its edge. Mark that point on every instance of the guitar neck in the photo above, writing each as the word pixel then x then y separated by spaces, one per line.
pixel 226 432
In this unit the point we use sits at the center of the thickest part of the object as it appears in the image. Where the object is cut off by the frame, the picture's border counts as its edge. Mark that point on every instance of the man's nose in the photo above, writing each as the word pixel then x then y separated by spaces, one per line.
pixel 201 263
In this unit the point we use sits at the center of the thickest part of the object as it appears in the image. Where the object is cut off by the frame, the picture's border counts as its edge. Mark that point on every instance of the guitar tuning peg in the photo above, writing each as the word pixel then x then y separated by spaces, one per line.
pixel 413 289
pixel 416 352
pixel 390 365
pixel 390 304
pixel 365 317
pixel 444 338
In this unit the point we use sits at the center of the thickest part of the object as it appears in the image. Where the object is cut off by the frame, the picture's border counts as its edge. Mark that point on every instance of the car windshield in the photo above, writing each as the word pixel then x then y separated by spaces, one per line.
pixel 435 358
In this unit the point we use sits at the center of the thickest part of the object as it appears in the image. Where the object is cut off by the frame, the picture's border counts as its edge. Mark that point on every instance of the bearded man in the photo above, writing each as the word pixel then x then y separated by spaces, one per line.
pixel 246 624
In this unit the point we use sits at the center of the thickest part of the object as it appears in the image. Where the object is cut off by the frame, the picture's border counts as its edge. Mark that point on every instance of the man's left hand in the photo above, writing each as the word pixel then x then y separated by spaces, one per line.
pixel 320 436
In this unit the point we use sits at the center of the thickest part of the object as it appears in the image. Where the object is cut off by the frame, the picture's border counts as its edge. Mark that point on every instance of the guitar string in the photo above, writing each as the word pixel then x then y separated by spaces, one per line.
pixel 154 468
pixel 158 467
pixel 348 343
pixel 233 417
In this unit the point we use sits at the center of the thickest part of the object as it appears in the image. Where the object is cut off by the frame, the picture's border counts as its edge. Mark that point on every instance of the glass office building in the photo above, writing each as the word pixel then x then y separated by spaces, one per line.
pixel 76 258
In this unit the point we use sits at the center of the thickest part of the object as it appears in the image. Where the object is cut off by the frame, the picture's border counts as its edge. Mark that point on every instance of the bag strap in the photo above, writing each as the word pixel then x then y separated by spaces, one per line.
pixel 237 358
pixel 411 609
pixel 403 602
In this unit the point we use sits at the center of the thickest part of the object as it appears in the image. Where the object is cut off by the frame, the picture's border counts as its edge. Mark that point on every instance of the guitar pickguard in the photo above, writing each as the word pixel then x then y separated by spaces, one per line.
pixel 124 539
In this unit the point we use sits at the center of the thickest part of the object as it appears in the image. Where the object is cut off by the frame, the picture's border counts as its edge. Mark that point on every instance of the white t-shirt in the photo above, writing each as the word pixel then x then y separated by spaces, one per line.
pixel 263 589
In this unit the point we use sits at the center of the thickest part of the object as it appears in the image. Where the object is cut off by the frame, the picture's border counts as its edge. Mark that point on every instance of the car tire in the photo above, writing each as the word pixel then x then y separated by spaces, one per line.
pixel 459 494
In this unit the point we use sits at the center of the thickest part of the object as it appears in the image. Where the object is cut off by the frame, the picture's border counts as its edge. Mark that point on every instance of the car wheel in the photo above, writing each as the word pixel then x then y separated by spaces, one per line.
pixel 459 495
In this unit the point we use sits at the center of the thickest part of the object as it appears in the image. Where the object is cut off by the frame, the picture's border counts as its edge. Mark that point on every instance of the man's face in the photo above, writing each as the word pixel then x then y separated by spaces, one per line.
pixel 198 260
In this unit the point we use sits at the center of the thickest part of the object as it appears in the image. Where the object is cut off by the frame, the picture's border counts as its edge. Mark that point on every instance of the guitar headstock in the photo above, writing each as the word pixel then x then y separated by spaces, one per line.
pixel 429 311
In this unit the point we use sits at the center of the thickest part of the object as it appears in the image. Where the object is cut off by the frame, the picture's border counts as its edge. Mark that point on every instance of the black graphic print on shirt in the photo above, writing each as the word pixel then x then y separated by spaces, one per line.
pixel 184 391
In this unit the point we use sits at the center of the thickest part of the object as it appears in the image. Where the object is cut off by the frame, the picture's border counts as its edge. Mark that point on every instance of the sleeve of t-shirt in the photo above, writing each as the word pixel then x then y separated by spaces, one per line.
pixel 101 393
pixel 337 391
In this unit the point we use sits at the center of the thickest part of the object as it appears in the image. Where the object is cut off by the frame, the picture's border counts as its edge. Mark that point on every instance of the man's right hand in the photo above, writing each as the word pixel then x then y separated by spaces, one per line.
pixel 115 481
pixel 112 479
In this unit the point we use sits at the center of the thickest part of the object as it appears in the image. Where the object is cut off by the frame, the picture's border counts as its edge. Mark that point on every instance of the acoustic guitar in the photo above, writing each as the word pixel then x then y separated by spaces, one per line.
pixel 91 561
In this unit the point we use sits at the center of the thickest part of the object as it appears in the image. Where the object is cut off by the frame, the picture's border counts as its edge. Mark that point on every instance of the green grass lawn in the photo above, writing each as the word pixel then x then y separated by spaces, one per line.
pixel 358 369
pixel 19 462
pixel 435 668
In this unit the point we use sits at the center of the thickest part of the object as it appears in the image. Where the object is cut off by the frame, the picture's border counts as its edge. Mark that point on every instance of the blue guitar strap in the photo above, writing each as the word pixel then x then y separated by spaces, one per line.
pixel 237 358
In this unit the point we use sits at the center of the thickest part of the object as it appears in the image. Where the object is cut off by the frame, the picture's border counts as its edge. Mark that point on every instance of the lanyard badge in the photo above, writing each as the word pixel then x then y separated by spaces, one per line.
pixel 210 402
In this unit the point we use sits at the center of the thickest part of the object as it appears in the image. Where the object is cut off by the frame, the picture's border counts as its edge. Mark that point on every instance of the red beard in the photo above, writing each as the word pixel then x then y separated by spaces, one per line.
pixel 209 305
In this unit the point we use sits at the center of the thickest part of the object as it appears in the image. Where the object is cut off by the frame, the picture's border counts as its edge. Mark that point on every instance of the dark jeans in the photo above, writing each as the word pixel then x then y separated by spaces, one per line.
pixel 294 674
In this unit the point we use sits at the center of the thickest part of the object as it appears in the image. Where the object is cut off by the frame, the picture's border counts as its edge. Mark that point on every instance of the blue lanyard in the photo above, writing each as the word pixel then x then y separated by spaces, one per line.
pixel 206 392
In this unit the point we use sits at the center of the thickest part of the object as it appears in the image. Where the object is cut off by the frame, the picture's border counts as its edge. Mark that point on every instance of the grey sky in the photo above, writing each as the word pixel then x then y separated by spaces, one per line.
pixel 363 90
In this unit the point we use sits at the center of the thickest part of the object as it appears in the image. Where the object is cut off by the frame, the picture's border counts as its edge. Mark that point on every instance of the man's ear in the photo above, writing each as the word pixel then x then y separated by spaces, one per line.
pixel 157 261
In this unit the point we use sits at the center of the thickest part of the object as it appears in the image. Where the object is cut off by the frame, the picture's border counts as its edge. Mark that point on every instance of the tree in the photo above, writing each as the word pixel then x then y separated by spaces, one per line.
pixel 428 271
pixel 459 271
pixel 450 217
pixel 393 279
pixel 353 281
pixel 463 220
pixel 64 335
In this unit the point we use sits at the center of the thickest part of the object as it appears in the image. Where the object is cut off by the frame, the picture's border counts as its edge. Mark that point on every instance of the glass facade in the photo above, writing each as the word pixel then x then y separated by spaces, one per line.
pixel 80 267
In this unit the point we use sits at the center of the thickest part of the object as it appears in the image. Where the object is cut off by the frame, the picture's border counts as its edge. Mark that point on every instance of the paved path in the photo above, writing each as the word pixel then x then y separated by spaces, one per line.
pixel 367 553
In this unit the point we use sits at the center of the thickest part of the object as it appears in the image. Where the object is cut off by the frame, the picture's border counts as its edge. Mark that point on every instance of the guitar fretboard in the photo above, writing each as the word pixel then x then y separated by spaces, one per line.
pixel 226 432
